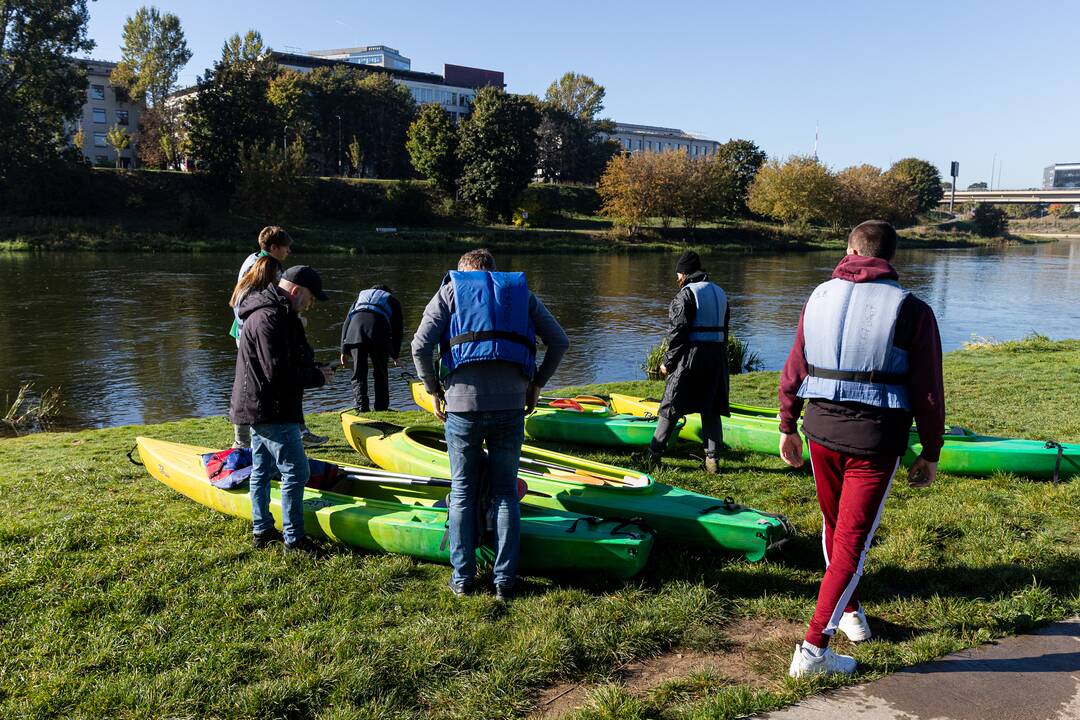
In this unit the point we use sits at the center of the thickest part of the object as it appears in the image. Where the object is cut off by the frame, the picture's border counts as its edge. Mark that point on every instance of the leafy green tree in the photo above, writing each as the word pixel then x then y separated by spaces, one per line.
pixel 922 179
pixel 271 183
pixel 153 53
pixel 231 108
pixel 989 221
pixel 572 149
pixel 978 186
pixel 41 92
pixel 289 94
pixel 433 148
pixel 800 190
pixel 498 150
pixel 577 94
pixel 356 156
pixel 743 159
pixel 119 140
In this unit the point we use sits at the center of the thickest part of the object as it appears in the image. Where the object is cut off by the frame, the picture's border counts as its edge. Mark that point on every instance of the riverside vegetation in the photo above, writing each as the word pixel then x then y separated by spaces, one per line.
pixel 122 598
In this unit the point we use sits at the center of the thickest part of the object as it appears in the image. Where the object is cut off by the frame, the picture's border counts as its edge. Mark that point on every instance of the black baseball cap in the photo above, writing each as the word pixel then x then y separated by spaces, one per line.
pixel 306 277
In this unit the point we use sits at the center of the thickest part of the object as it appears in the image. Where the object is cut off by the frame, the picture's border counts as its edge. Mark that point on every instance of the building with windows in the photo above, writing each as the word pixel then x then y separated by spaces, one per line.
pixel 1061 175
pixel 649 138
pixel 378 55
pixel 106 106
pixel 454 89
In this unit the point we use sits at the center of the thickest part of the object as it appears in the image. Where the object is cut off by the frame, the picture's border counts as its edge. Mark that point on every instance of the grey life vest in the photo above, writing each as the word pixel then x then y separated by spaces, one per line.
pixel 372 300
pixel 848 330
pixel 708 324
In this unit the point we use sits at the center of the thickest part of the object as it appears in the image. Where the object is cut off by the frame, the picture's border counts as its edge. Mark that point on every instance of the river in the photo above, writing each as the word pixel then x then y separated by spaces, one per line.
pixel 141 338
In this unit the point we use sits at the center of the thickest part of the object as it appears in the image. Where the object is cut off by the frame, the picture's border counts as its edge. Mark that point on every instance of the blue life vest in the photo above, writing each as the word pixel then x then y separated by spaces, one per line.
pixel 708 324
pixel 848 329
pixel 490 321
pixel 372 300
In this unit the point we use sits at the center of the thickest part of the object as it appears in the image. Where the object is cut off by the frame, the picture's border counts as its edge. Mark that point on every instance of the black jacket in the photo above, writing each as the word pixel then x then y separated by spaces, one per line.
pixel 697 371
pixel 371 331
pixel 274 362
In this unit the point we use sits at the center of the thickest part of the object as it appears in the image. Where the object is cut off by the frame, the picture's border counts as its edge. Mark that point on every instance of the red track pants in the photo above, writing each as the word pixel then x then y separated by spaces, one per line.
pixel 851 492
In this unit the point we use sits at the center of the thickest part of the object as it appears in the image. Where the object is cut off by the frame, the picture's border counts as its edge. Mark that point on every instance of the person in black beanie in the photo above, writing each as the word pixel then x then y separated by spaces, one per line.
pixel 696 365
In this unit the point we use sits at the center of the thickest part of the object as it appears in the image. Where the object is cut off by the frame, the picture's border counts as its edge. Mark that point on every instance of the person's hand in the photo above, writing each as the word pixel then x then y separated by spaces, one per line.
pixel 921 473
pixel 344 360
pixel 791 449
pixel 532 397
pixel 663 370
pixel 438 404
pixel 327 373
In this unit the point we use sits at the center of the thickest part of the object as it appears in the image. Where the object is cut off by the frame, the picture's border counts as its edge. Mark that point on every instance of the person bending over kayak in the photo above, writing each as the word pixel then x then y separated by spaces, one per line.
pixel 696 365
pixel 372 329
pixel 274 364
pixel 485 324
pixel 866 359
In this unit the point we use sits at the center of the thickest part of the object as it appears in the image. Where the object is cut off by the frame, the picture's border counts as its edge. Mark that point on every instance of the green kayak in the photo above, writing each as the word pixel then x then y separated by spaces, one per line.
pixel 567 483
pixel 581 420
pixel 964 453
pixel 378 514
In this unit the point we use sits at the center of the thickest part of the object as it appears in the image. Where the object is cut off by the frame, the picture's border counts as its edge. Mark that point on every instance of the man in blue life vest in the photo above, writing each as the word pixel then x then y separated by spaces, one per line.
pixel 866 361
pixel 372 330
pixel 485 324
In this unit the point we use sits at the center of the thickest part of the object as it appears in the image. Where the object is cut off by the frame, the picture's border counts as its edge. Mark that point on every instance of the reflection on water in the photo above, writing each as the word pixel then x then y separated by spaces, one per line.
pixel 142 338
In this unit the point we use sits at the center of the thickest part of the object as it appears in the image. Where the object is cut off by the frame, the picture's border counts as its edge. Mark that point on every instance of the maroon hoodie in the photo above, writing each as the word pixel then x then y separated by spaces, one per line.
pixel 863 429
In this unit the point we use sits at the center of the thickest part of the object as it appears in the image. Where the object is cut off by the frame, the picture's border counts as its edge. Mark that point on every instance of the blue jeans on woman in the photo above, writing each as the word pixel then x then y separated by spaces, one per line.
pixel 276 449
pixel 466 434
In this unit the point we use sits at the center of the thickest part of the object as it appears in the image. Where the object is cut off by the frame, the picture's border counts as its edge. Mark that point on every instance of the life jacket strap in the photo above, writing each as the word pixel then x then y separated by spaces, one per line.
pixel 875 377
pixel 492 335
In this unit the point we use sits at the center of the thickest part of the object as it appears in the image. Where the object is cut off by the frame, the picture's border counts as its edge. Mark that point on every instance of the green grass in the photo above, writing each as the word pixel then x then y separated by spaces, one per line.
pixel 119 598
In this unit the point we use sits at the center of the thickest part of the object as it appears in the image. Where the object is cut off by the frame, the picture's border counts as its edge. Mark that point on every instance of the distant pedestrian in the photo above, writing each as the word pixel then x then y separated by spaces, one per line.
pixel 486 323
pixel 372 331
pixel 276 243
pixel 867 359
pixel 696 364
pixel 274 364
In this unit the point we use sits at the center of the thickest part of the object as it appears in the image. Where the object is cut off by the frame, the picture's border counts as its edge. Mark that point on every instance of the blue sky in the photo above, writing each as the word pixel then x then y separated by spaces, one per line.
pixel 963 81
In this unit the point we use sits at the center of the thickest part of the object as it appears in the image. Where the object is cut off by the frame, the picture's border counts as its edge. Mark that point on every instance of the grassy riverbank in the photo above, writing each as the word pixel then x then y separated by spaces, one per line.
pixel 122 599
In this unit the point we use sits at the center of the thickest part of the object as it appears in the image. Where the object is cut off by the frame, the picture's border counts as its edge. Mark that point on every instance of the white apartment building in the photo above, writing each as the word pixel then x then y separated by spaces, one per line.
pixel 649 138
pixel 106 106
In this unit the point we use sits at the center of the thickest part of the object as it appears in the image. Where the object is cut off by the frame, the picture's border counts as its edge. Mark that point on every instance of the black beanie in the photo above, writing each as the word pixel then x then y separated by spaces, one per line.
pixel 689 263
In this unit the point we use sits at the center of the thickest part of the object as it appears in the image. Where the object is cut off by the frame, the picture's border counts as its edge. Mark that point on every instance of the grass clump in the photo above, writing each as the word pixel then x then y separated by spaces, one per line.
pixel 30 413
pixel 122 599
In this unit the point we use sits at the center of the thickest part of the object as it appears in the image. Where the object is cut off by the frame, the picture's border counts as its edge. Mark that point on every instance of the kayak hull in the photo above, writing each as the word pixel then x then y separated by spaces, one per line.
pixel 677 516
pixel 405 519
pixel 592 425
pixel 964 452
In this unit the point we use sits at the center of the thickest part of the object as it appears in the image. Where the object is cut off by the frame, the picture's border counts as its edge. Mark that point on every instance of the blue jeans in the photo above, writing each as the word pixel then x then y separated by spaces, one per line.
pixel 276 449
pixel 466 433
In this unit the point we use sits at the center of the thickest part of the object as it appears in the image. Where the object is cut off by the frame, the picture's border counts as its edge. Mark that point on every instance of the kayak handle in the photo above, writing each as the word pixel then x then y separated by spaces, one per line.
pixel 133 461
pixel 1051 444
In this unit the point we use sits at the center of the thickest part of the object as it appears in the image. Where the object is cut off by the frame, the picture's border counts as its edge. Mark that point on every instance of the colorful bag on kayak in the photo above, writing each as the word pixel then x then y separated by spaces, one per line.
pixel 227 469
pixel 323 474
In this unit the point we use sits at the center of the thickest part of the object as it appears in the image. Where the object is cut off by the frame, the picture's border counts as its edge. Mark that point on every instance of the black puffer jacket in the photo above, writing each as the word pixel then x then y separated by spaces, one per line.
pixel 274 362
pixel 697 371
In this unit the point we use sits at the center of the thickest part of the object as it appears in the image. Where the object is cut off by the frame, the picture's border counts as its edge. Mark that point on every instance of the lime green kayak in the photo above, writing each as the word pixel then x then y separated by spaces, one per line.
pixel 378 515
pixel 567 483
pixel 581 420
pixel 964 452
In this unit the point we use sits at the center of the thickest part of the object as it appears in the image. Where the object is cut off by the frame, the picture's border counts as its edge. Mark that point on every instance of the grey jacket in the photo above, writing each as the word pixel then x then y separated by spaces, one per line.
pixel 484 386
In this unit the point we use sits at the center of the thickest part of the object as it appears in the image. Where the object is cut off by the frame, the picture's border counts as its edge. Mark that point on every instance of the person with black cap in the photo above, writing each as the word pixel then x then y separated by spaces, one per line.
pixel 695 365
pixel 274 364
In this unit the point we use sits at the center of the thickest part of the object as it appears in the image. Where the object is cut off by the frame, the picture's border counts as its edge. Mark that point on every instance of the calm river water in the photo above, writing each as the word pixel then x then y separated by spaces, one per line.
pixel 142 338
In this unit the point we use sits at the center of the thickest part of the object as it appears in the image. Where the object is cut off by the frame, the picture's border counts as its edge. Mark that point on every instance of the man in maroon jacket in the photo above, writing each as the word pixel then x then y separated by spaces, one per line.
pixel 867 357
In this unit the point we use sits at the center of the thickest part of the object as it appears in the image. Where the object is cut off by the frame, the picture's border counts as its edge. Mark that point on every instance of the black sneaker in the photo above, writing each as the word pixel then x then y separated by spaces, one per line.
pixel 504 593
pixel 463 588
pixel 304 546
pixel 265 539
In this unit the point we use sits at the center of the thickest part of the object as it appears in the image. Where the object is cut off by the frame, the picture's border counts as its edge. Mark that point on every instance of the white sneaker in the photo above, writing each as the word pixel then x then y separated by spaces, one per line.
pixel 803 662
pixel 854 625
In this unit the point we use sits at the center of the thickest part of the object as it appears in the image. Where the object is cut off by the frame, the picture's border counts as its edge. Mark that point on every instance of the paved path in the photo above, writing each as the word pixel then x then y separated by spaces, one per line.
pixel 1029 677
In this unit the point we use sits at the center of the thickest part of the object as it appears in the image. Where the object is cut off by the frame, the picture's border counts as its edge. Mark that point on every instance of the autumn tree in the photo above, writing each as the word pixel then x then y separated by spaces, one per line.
pixel 577 94
pixel 864 192
pixel 119 140
pixel 921 179
pixel 800 190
